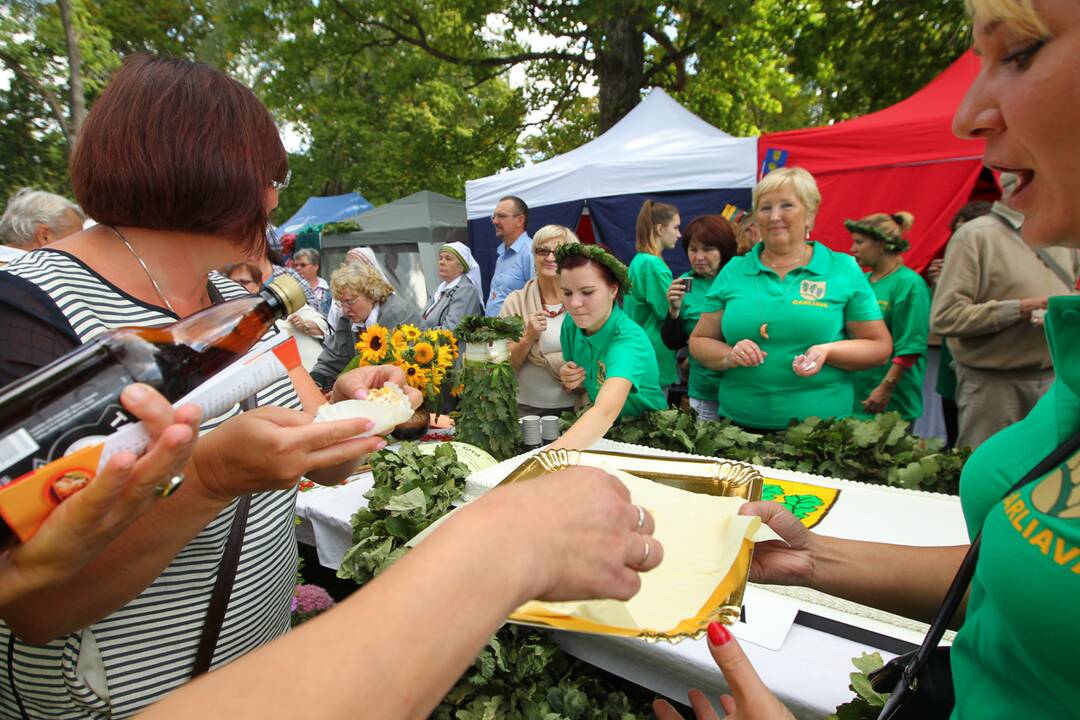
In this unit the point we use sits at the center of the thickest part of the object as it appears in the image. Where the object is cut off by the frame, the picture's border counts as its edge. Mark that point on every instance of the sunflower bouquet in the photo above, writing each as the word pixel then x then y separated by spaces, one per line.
pixel 425 356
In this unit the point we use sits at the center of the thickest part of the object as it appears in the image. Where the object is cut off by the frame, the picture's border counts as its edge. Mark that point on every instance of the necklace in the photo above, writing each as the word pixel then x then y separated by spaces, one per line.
pixel 157 288
pixel 887 273
pixel 544 303
pixel 782 266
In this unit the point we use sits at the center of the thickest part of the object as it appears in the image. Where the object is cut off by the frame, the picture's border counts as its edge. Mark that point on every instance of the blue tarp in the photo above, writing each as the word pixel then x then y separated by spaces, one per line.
pixel 613 219
pixel 323 210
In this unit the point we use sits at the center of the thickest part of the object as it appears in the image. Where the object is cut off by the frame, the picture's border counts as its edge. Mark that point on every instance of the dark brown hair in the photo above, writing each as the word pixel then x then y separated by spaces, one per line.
pixel 177 145
pixel 572 262
pixel 519 206
pixel 713 231
pixel 651 215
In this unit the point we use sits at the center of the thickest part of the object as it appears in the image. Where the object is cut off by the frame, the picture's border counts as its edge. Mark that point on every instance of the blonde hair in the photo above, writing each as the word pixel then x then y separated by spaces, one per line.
pixel 798 179
pixel 652 214
pixel 1020 15
pixel 361 279
pixel 559 233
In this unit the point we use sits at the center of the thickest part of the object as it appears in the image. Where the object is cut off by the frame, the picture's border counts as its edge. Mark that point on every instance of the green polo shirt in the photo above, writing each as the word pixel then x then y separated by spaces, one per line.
pixel 1015 655
pixel 618 349
pixel 704 383
pixel 808 307
pixel 647 304
pixel 905 306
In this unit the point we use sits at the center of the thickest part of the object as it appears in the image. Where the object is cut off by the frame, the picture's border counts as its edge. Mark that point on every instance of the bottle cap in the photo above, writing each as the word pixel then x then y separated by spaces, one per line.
pixel 289 292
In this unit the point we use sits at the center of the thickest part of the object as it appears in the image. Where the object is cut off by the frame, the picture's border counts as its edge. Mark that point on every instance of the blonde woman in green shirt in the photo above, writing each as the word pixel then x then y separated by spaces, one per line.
pixel 1015 652
pixel 877 242
pixel 647 302
pixel 790 321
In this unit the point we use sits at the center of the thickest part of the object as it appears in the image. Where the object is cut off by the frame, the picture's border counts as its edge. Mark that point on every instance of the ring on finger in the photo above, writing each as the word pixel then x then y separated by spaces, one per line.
pixel 640 517
pixel 648 552
pixel 170 486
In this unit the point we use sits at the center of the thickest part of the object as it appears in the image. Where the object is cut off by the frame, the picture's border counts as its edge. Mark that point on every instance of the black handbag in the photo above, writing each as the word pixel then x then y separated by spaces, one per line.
pixel 920 682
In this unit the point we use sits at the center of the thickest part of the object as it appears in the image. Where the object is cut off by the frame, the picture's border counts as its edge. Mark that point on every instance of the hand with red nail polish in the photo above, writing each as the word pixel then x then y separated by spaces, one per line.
pixel 749 699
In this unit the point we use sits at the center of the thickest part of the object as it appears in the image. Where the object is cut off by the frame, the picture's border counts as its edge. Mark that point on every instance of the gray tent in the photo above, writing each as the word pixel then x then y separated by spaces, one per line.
pixel 405 236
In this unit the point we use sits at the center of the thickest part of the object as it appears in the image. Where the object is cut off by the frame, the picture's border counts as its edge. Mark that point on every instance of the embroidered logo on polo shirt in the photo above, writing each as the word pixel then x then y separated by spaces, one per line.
pixel 1058 494
pixel 601 373
pixel 1055 496
pixel 812 290
pixel 812 293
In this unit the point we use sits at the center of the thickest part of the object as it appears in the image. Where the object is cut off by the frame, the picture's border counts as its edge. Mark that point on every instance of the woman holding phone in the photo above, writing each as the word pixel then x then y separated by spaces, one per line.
pixel 709 242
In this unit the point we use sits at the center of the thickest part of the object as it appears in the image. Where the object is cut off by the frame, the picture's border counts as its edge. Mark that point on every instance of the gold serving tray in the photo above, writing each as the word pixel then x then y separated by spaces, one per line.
pixel 723 478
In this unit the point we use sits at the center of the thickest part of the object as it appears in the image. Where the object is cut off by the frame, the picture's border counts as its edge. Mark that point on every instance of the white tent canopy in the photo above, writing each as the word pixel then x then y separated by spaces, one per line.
pixel 658 146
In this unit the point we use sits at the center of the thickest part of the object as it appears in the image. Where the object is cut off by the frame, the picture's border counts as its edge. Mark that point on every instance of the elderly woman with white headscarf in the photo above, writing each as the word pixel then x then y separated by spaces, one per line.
pixel 458 294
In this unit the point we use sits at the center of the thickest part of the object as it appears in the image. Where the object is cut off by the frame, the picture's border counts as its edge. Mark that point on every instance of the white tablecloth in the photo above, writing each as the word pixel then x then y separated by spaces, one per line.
pixel 809 670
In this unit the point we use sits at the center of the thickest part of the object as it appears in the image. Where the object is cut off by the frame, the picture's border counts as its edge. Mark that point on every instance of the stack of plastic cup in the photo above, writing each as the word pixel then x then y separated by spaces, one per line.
pixel 549 428
pixel 530 431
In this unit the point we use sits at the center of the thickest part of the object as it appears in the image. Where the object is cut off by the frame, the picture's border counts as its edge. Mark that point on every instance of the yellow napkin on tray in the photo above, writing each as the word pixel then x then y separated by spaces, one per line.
pixel 702 537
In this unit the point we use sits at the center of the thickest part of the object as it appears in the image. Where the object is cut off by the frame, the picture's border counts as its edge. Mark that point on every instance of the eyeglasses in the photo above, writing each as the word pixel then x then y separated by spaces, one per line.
pixel 282 184
pixel 350 303
pixel 503 216
pixel 544 252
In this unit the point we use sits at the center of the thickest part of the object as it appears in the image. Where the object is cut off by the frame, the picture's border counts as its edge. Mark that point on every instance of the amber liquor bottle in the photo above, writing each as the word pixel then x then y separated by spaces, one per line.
pixel 75 400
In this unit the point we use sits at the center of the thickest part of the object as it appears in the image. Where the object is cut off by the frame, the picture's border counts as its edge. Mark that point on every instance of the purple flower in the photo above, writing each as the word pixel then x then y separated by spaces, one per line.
pixel 311 599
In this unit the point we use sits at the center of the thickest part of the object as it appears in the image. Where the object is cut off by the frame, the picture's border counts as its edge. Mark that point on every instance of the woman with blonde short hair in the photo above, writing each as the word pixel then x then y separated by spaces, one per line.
pixel 537 356
pixel 789 321
pixel 364 298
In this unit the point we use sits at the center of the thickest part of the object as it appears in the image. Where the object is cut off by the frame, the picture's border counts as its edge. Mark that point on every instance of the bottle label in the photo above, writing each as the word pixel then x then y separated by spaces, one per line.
pixel 63 424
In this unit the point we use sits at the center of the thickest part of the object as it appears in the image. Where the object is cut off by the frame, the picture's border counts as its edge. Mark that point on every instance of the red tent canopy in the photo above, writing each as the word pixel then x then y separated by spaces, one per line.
pixel 904 157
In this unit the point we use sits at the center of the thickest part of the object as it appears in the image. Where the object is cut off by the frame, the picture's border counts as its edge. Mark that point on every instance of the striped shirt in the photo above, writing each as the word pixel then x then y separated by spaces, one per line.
pixel 138 654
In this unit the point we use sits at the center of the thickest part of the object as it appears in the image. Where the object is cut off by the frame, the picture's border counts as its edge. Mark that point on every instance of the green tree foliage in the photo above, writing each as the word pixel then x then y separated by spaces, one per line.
pixel 857 57
pixel 394 96
pixel 38 123
pixel 381 118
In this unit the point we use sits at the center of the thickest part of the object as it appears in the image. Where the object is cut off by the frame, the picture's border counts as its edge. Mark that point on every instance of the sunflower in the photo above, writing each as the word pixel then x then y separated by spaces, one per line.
pixel 416 376
pixel 423 353
pixel 446 357
pixel 373 346
pixel 456 391
pixel 398 342
pixel 432 336
pixel 411 333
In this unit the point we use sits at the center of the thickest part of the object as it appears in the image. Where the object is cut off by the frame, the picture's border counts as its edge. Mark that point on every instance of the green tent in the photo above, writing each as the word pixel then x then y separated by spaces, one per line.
pixel 405 236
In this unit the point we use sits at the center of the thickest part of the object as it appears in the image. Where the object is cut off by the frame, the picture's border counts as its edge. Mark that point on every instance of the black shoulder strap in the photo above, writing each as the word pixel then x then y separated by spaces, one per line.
pixel 219 598
pixel 230 559
pixel 960 583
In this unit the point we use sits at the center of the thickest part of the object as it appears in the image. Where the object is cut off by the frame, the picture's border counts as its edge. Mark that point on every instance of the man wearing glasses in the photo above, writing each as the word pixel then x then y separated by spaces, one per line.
pixel 514 267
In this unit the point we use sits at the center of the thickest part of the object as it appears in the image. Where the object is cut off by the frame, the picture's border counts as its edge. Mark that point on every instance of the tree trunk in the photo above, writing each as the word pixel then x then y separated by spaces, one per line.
pixel 75 82
pixel 620 67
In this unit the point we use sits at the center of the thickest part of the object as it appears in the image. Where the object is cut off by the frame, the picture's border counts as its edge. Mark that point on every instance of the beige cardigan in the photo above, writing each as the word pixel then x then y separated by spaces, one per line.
pixel 988 269
pixel 523 303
